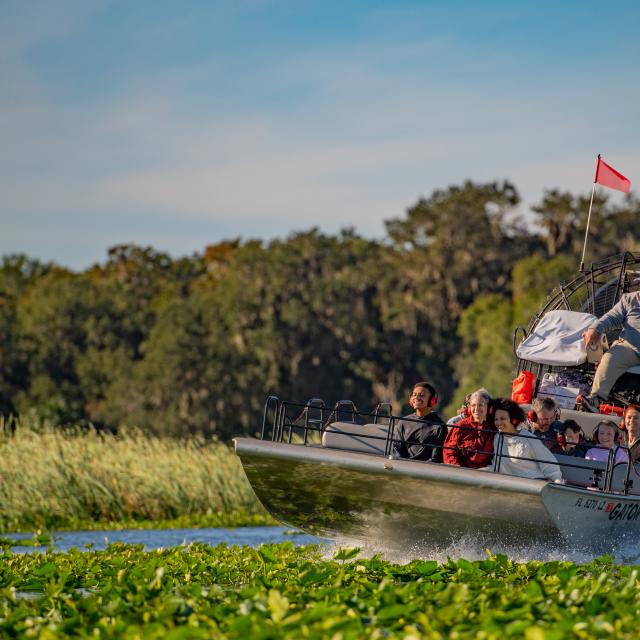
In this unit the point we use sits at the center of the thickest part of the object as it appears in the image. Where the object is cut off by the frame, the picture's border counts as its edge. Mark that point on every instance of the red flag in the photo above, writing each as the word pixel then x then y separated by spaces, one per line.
pixel 608 177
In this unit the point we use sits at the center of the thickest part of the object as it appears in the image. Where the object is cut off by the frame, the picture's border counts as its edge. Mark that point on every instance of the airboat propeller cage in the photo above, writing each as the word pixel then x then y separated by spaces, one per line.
pixel 587 296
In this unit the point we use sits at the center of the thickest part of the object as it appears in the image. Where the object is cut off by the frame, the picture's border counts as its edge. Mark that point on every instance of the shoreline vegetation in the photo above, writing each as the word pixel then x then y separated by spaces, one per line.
pixel 54 479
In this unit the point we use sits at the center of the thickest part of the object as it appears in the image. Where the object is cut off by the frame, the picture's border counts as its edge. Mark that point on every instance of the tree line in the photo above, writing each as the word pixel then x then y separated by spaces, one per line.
pixel 194 344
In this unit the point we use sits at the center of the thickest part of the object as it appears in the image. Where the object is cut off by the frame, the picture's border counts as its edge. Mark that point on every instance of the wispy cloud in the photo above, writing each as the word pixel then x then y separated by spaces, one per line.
pixel 303 135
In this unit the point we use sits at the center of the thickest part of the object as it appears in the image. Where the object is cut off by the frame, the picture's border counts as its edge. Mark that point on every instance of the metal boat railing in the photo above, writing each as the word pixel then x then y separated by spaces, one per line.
pixel 314 417
pixel 379 407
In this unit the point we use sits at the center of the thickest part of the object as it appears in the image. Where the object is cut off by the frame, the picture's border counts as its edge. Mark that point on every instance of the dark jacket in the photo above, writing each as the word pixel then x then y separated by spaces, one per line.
pixel 578 451
pixel 550 437
pixel 417 436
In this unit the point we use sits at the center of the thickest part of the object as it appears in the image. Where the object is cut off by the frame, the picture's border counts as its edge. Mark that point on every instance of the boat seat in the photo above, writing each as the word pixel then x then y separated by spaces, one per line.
pixel 582 477
pixel 557 339
pixel 588 421
pixel 365 438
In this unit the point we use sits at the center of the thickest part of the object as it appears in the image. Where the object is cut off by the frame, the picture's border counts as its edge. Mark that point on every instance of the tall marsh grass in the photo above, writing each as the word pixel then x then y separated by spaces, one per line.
pixel 52 478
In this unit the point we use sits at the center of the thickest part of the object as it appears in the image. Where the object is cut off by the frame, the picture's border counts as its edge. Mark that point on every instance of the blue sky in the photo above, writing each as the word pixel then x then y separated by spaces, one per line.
pixel 178 124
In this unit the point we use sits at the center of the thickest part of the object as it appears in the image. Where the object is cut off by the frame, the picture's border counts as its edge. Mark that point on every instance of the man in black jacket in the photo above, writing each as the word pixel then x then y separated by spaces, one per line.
pixel 420 435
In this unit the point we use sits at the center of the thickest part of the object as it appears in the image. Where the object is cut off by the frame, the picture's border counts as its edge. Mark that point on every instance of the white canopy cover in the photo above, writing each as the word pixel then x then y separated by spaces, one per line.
pixel 557 339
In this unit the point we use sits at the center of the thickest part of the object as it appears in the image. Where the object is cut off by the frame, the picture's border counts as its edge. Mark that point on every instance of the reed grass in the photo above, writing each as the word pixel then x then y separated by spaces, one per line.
pixel 66 479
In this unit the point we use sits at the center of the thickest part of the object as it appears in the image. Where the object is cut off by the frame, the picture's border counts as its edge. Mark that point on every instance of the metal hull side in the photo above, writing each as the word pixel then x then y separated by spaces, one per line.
pixel 338 493
pixel 596 519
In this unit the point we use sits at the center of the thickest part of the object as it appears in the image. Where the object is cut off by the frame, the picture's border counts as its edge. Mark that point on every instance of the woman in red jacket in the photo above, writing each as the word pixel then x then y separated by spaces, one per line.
pixel 469 442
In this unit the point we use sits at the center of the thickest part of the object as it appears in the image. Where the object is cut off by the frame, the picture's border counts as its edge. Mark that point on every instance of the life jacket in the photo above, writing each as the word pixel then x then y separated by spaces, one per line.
pixel 522 387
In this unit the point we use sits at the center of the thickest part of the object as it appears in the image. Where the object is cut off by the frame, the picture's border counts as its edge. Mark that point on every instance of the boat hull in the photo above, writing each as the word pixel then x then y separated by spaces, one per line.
pixel 401 503
pixel 343 494
pixel 602 521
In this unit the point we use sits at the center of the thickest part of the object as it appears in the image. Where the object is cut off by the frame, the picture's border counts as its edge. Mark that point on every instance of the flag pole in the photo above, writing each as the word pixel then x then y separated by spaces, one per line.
pixel 586 233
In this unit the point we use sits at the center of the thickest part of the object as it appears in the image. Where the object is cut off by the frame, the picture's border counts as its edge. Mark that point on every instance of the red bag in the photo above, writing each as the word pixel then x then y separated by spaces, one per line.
pixel 522 387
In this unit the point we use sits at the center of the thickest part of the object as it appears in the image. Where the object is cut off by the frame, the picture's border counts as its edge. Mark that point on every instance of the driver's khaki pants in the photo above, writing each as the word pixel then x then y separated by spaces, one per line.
pixel 620 357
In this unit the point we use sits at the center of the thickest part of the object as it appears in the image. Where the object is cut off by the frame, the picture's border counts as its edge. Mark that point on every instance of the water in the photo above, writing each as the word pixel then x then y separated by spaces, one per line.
pixel 625 552
pixel 469 548
pixel 163 538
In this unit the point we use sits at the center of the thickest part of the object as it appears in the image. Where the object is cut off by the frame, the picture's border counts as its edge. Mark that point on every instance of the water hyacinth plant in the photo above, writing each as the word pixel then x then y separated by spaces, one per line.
pixel 60 479
pixel 280 591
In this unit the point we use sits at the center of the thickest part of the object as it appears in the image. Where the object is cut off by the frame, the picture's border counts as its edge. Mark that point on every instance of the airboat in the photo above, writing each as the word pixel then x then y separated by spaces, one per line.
pixel 330 470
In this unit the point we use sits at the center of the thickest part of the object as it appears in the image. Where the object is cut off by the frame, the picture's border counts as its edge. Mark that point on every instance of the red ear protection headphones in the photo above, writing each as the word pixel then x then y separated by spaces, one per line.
pixel 433 400
pixel 533 416
pixel 575 428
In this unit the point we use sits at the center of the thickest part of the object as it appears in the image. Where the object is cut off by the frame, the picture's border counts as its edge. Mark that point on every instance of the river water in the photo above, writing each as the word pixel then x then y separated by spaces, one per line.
pixel 163 538
pixel 468 548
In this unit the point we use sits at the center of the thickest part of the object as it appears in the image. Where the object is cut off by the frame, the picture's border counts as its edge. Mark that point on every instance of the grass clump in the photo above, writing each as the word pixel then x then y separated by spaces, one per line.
pixel 279 591
pixel 54 479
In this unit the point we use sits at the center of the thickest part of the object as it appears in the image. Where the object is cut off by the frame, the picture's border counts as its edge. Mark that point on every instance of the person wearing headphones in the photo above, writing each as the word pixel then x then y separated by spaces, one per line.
pixel 545 421
pixel 421 434
pixel 469 442
pixel 570 439
pixel 605 437
pixel 520 452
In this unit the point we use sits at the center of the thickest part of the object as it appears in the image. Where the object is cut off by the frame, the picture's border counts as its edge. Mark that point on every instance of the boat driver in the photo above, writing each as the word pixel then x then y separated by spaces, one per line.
pixel 421 434
pixel 624 352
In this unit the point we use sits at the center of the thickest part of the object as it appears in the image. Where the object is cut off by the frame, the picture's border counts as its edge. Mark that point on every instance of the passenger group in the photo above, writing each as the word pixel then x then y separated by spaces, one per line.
pixel 496 434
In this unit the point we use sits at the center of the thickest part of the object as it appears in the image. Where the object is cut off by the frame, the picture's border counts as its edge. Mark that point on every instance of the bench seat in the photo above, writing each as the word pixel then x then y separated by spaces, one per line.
pixel 365 438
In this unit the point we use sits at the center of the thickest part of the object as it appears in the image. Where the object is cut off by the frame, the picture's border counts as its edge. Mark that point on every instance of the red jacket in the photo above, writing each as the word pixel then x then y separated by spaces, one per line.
pixel 473 442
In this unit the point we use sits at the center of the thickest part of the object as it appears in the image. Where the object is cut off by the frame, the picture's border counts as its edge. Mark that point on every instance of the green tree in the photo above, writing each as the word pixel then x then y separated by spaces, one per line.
pixel 449 249
pixel 486 357
pixel 17 274
pixel 299 317
pixel 562 217
pixel 533 280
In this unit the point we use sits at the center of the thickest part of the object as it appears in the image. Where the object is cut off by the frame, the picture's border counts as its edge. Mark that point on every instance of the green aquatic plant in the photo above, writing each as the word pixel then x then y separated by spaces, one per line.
pixel 282 591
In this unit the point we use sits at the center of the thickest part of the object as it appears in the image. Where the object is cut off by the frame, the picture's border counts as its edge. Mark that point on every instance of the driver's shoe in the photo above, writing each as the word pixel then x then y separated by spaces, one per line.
pixel 590 403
